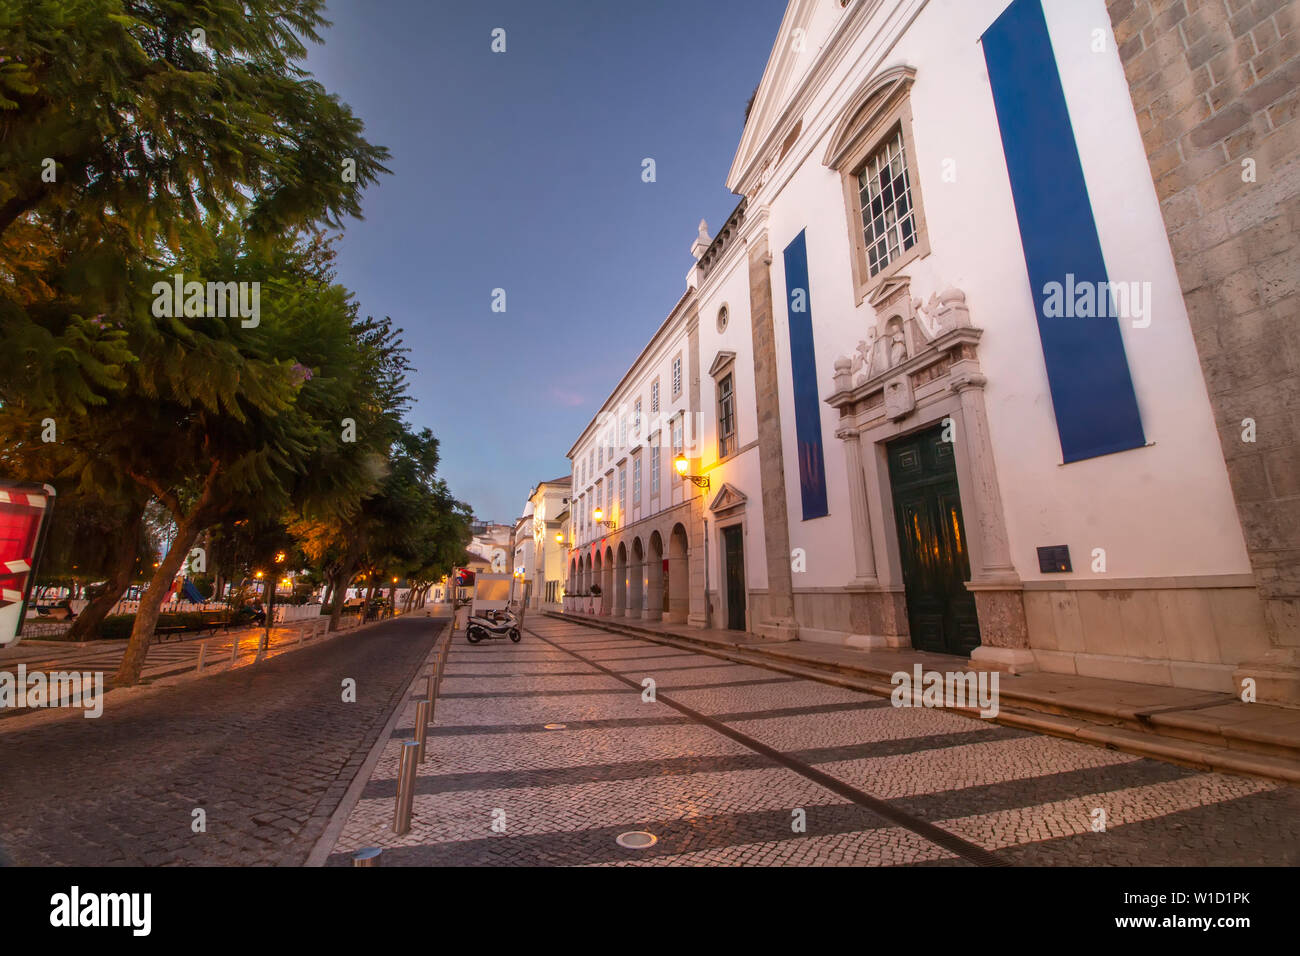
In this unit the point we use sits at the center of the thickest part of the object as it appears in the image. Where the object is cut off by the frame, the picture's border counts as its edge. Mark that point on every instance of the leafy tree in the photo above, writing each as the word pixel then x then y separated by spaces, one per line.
pixel 221 422
pixel 150 124
pixel 121 135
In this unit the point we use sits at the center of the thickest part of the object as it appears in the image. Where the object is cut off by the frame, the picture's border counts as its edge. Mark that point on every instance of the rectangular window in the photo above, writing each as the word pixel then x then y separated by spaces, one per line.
pixel 888 220
pixel 622 431
pixel 677 376
pixel 678 443
pixel 636 419
pixel 726 418
pixel 636 481
pixel 654 465
pixel 600 454
pixel 654 397
pixel 622 492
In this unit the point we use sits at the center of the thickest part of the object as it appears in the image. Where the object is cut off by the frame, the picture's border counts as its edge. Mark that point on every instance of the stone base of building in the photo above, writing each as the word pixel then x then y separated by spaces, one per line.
pixel 1202 633
pixel 854 616
pixel 1012 660
pixel 778 630
pixel 1276 676
pixel 864 642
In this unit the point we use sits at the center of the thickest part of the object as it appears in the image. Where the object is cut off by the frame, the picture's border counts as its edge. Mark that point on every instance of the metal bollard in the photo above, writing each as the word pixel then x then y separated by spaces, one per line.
pixel 421 725
pixel 367 856
pixel 406 786
pixel 203 653
pixel 234 650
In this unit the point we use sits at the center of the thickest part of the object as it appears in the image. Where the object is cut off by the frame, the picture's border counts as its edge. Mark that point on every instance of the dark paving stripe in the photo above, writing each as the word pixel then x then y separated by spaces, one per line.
pixel 616 690
pixel 677 766
pixel 459 730
pixel 1213 835
pixel 449 674
pixel 687 667
pixel 869 703
pixel 574 848
pixel 642 657
pixel 571 776
pixel 611 723
pixel 949 841
pixel 1036 791
pixel 904 745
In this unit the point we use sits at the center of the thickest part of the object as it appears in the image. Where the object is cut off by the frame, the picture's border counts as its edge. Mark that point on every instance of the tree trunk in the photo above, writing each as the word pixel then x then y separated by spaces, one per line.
pixel 87 623
pixel 340 595
pixel 146 617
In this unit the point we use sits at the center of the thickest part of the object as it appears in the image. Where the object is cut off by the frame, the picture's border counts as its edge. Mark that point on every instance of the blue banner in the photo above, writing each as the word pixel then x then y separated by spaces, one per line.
pixel 1078 308
pixel 803 367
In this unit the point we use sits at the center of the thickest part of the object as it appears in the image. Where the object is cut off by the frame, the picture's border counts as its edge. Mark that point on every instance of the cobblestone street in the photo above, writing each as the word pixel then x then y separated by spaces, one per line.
pixel 731 758
pixel 267 752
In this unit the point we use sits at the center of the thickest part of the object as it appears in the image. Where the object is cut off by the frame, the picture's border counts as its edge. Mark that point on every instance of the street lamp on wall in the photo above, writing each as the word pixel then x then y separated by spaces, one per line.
pixel 682 466
pixel 599 517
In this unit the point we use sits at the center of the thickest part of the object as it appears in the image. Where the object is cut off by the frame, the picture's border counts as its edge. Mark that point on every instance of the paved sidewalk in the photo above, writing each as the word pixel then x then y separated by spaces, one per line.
pixel 544 752
pixel 1200 728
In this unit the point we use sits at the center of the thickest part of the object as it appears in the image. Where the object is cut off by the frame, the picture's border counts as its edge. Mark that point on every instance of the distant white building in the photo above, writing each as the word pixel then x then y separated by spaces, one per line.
pixel 540 541
pixel 492 542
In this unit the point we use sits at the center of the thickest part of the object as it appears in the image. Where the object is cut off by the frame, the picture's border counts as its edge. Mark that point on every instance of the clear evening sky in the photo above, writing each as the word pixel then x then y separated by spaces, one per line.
pixel 522 171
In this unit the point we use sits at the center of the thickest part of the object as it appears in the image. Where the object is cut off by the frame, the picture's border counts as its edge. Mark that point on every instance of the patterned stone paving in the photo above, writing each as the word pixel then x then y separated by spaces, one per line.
pixel 499 789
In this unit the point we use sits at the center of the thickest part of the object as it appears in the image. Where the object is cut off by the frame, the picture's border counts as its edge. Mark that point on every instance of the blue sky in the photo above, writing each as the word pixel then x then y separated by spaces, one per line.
pixel 522 171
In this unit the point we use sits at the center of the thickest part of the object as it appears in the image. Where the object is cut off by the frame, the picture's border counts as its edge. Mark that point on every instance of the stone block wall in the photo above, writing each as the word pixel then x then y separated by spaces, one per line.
pixel 1216 88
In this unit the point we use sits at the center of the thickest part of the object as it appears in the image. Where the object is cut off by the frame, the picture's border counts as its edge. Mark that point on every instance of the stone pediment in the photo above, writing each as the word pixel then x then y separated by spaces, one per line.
pixel 721 361
pixel 728 497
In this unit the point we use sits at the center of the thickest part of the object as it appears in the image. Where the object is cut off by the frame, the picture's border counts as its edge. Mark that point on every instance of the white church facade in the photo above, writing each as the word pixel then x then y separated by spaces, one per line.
pixel 933 380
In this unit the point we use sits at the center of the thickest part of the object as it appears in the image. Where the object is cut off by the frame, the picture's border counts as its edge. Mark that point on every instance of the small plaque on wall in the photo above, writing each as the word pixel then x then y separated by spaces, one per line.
pixel 1054 559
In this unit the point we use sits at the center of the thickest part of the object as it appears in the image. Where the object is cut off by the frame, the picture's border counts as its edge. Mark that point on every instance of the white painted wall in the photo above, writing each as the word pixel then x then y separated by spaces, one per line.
pixel 1164 510
pixel 728 284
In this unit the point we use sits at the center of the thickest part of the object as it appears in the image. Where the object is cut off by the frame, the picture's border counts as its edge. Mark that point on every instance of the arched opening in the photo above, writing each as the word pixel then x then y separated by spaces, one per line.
pixel 620 580
pixel 593 604
pixel 635 580
pixel 607 583
pixel 679 593
pixel 655 594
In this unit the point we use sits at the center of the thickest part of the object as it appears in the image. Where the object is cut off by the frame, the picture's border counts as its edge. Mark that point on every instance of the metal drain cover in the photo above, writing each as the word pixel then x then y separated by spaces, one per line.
pixel 637 839
pixel 554 726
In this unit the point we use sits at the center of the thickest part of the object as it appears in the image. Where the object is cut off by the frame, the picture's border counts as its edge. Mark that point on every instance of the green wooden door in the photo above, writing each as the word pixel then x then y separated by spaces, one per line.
pixel 733 541
pixel 932 544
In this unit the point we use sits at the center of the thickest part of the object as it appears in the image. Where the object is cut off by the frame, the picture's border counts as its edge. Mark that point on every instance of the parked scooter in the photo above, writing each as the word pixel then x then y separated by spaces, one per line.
pixel 493 624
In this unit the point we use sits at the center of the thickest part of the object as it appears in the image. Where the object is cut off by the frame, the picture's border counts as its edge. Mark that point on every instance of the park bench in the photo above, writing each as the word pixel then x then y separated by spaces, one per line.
pixel 212 622
pixel 162 633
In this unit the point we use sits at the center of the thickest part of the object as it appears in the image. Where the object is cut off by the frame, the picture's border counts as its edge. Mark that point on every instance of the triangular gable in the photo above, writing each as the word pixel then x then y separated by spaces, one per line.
pixel 792 55
pixel 728 496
